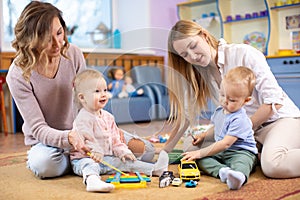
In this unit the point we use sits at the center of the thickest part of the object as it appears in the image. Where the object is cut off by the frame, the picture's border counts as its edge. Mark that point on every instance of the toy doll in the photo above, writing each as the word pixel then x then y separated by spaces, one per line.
pixel 115 87
pixel 121 86
pixel 129 90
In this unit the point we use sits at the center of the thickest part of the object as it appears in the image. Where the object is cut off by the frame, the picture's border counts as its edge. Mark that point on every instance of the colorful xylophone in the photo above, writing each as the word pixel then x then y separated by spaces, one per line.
pixel 132 180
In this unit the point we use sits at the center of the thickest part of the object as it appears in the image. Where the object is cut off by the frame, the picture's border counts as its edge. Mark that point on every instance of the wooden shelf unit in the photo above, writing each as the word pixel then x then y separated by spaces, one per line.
pixel 270 23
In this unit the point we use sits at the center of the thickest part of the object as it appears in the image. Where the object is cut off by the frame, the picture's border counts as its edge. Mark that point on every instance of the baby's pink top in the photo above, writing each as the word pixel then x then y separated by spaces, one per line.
pixel 104 132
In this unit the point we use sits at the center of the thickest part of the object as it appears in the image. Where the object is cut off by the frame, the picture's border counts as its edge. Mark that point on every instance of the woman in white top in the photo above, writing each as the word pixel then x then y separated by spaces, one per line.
pixel 197 64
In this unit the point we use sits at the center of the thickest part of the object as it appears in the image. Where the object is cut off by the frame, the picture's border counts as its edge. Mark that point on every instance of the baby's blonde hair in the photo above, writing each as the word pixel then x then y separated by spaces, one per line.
pixel 241 75
pixel 79 82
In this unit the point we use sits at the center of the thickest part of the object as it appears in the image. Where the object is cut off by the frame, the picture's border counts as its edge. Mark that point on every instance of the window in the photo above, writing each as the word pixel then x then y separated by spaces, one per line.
pixel 90 20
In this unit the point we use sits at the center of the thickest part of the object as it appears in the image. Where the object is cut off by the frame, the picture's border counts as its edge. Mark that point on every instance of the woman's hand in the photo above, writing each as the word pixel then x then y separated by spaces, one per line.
pixel 192 155
pixel 262 114
pixel 129 156
pixel 77 141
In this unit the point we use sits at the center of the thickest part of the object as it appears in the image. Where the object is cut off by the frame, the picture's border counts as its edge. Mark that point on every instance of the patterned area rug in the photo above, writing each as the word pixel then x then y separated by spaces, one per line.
pixel 12 158
pixel 13 172
pixel 262 189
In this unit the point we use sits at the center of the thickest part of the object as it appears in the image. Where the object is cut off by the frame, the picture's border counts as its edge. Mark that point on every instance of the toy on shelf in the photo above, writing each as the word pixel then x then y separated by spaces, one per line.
pixel 132 180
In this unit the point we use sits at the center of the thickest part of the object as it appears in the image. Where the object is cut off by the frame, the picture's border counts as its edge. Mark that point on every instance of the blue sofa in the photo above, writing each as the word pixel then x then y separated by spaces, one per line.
pixel 131 109
pixel 152 77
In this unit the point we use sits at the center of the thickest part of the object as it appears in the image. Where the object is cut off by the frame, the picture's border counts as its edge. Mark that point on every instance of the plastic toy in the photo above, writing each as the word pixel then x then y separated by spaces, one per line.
pixel 162 139
pixel 165 182
pixel 109 165
pixel 176 182
pixel 197 130
pixel 133 180
pixel 129 90
pixel 229 18
pixel 248 16
pixel 159 138
pixel 165 179
pixel 154 139
pixel 238 17
pixel 121 86
pixel 188 170
pixel 191 184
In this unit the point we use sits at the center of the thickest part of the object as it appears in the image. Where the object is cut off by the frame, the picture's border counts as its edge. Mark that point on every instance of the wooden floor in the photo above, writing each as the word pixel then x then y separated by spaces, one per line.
pixel 13 143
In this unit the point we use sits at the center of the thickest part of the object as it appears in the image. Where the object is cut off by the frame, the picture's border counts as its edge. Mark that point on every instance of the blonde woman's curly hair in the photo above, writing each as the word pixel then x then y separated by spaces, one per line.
pixel 32 35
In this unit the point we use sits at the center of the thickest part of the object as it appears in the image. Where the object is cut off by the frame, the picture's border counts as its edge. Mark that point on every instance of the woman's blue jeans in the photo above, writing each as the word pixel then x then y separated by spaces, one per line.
pixel 47 161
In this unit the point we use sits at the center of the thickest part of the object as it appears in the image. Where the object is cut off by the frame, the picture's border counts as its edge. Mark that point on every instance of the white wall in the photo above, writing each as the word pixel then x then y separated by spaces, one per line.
pixel 163 17
pixel 132 18
pixel 145 24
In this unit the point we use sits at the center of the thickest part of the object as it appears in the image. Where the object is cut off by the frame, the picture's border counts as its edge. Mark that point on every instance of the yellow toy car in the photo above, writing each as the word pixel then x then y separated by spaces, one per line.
pixel 188 170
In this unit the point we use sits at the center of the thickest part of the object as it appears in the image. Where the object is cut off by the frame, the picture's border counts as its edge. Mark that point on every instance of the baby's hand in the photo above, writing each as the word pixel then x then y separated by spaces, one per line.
pixel 129 156
pixel 192 155
pixel 197 139
pixel 97 157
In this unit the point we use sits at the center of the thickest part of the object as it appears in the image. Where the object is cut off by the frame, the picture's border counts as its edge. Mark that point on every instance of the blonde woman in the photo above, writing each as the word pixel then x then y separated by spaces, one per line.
pixel 197 64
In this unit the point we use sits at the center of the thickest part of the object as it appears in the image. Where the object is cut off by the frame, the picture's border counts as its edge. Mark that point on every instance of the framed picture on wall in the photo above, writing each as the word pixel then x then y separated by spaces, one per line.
pixel 292 22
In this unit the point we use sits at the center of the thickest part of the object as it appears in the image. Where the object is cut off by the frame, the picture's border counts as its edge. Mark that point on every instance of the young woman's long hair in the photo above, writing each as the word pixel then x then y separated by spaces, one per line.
pixel 188 85
pixel 32 34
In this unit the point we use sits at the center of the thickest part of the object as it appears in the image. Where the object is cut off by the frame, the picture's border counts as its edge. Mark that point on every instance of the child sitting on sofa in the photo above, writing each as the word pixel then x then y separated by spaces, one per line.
pixel 90 95
pixel 121 87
